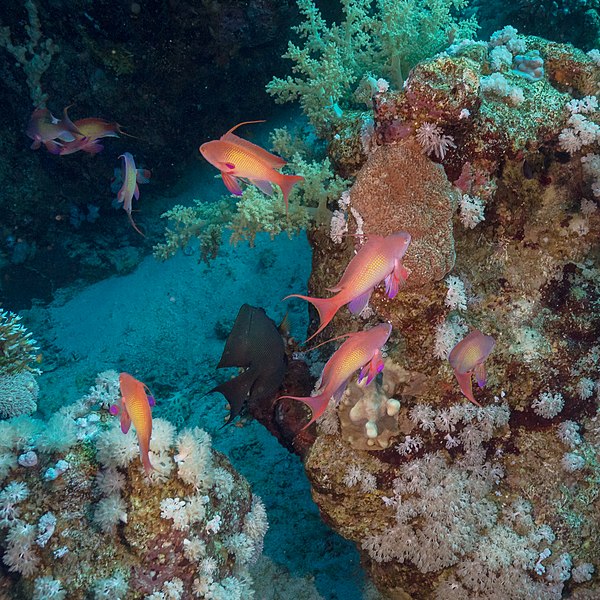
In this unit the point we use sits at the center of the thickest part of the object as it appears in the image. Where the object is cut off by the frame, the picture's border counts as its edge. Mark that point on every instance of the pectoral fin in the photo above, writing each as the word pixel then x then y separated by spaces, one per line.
pixel 232 184
pixel 125 420
pixel 264 186
pixel 358 304
pixel 480 375
pixel 372 368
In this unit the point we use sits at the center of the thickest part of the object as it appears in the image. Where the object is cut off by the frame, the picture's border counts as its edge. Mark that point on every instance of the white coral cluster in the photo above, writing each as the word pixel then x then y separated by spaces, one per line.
pixel 548 404
pixel 432 140
pixel 18 394
pixel 496 84
pixel 591 168
pixel 580 130
pixel 463 424
pixel 447 334
pixel 356 475
pixel 472 210
pixel 456 296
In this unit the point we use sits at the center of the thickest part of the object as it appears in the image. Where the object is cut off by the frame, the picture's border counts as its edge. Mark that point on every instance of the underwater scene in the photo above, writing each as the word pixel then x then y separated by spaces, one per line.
pixel 299 300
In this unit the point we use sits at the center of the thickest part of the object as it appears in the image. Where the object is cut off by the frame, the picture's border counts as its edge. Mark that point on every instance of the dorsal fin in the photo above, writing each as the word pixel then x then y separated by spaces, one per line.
pixel 240 124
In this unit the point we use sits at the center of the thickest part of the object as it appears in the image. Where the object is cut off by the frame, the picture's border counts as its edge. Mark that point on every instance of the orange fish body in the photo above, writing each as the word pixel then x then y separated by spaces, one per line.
pixel 135 408
pixel 379 259
pixel 467 358
pixel 92 129
pixel 362 350
pixel 45 128
pixel 95 128
pixel 129 189
pixel 237 158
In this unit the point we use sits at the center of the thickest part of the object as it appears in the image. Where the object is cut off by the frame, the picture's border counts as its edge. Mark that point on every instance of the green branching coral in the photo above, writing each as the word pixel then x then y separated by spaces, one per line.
pixel 18 349
pixel 385 38
pixel 203 222
pixel 256 212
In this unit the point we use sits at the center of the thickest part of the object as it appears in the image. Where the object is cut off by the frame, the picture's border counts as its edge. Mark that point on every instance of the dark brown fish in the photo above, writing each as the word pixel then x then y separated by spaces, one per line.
pixel 256 345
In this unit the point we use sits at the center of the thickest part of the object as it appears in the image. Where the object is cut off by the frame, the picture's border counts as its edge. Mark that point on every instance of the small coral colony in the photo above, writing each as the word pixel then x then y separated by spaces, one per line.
pixel 378 260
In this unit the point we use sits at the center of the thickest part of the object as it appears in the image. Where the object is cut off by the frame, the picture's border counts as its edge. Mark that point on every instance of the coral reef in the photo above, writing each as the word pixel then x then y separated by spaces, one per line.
pixel 78 513
pixel 382 39
pixel 459 501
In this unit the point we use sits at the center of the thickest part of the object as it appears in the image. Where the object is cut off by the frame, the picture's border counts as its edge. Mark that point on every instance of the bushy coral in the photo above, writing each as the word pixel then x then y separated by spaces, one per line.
pixel 383 38
pixel 18 350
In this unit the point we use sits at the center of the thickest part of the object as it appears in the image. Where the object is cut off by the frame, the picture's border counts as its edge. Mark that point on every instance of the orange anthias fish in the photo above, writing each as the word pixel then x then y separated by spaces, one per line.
pixel 467 357
pixel 92 129
pixel 362 350
pixel 237 158
pixel 379 259
pixel 130 189
pixel 136 403
pixel 44 128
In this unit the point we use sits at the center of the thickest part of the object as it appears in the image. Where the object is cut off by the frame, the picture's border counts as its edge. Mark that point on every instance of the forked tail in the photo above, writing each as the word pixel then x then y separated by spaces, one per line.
pixel 286 183
pixel 326 307
pixel 317 405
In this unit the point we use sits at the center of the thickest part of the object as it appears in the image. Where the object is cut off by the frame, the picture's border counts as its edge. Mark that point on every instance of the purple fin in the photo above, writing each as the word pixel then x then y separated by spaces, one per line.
pixel 264 186
pixel 125 420
pixel 53 147
pixel 232 184
pixel 391 285
pixel 372 368
pixel 358 304
pixel 151 400
pixel 337 395
pixel 136 192
pixel 480 375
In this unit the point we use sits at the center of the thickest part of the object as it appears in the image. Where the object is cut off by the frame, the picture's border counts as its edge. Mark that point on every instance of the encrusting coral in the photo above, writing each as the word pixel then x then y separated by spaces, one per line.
pixel 191 529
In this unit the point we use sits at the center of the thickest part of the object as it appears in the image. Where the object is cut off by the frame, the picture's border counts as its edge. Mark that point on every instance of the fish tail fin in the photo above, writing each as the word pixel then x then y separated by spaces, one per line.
pixel 317 405
pixel 120 130
pixel 326 307
pixel 286 183
pixel 133 224
pixel 236 391
pixel 146 462
pixel 67 123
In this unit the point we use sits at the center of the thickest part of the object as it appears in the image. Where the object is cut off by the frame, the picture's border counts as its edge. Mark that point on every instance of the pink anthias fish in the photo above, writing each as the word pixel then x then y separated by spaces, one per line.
pixel 129 190
pixel 362 350
pixel 135 407
pixel 237 158
pixel 379 259
pixel 44 128
pixel 467 357
pixel 92 129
